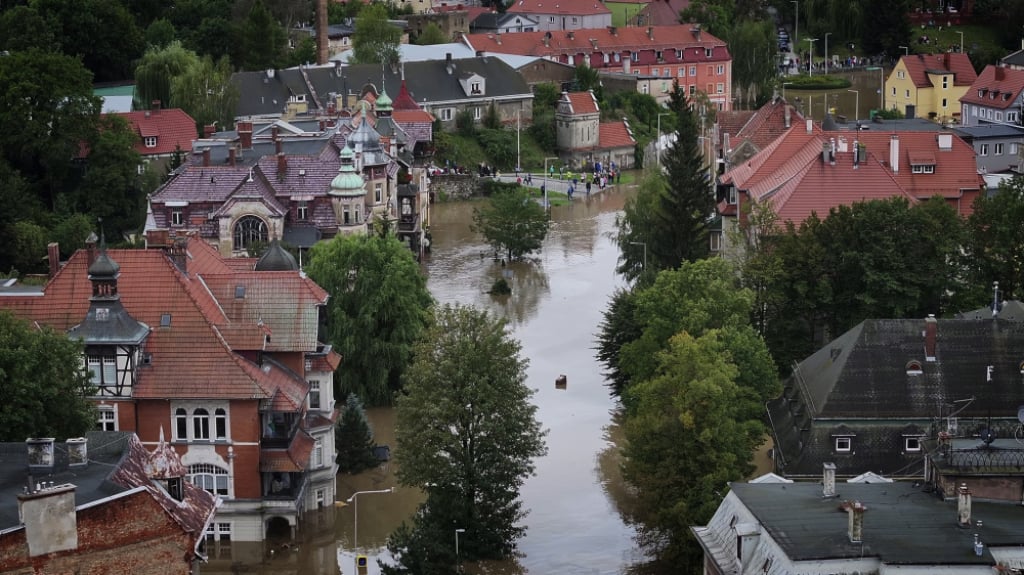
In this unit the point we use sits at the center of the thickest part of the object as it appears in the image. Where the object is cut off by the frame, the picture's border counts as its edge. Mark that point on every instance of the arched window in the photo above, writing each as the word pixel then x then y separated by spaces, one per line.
pixel 200 424
pixel 249 230
pixel 220 423
pixel 209 477
pixel 180 424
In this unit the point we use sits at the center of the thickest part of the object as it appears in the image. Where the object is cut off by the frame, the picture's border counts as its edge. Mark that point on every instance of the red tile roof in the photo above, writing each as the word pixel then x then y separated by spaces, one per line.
pixel 996 87
pixel 581 102
pixel 661 12
pixel 615 135
pixel 678 36
pixel 294 459
pixel 563 7
pixel 919 65
pixel 411 116
pixel 790 174
pixel 171 127
pixel 404 100
pixel 191 355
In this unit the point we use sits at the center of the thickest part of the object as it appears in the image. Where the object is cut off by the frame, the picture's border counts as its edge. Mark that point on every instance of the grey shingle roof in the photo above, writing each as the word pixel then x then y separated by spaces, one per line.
pixel 903 524
pixel 990 131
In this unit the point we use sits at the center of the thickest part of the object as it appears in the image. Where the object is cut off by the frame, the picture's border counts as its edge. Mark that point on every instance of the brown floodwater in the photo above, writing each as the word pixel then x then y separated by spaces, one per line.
pixel 577 501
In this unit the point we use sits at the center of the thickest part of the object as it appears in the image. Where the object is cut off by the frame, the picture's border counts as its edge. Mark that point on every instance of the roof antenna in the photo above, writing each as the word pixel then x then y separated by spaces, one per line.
pixel 250 175
pixel 996 305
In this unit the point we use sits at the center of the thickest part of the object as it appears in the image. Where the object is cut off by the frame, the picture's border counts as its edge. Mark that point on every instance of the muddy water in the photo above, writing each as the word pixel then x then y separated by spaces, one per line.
pixel 577 500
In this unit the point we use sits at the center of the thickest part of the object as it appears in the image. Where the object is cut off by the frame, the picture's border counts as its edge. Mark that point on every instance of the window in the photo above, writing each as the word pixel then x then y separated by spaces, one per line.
pixel 716 241
pixel 708 52
pixel 551 18
pixel 945 82
pixel 682 72
pixel 476 113
pixel 984 150
pixel 693 70
pixel 218 531
pixel 321 498
pixel 1013 148
pixel 605 56
pixel 150 142
pixel 474 88
pixel 574 20
pixel 1011 116
pixel 999 116
pixel 894 90
pixel 907 93
pixel 106 419
pixel 900 74
pixel 659 55
pixel 634 56
pixel 643 88
pixel 302 211
pixel 249 231
pixel 943 102
pixel 679 54
pixel 446 114
pixel 997 149
pixel 378 192
pixel 843 444
pixel 923 169
pixel 200 424
pixel 102 369
pixel 318 453
pixel 209 477
pixel 664 87
pixel 720 88
pixel 177 218
pixel 180 424
pixel 693 89
pixel 220 423
pixel 911 444
pixel 720 70
pixel 314 394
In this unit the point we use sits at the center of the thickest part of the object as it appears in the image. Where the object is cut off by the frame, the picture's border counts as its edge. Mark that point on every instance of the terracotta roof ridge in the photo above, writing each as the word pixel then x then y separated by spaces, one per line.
pixel 216 302
pixel 882 165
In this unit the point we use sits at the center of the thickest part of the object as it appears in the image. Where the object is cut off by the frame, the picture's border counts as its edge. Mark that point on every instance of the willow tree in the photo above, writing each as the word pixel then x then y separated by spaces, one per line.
pixel 158 69
pixel 378 309
pixel 205 91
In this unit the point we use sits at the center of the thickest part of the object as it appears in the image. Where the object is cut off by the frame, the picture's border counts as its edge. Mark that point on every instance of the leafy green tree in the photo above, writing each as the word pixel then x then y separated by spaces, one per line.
pixel 46 111
pixel 512 223
pixel 889 27
pixel 689 437
pixel 995 239
pixel 671 212
pixel 432 34
pixel 378 309
pixel 542 130
pixel 467 430
pixel 354 439
pixel 465 125
pixel 546 96
pixel 22 28
pixel 160 33
pixel 71 231
pixel 28 246
pixel 44 385
pixel 158 69
pixel 753 47
pixel 110 188
pixel 205 91
pixel 499 146
pixel 492 120
pixel 375 40
pixel 303 53
pixel 586 78
pixel 261 40
pixel 103 33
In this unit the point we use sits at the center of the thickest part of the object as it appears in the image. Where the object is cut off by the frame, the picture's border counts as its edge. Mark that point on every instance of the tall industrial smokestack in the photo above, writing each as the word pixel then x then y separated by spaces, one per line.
pixel 321 32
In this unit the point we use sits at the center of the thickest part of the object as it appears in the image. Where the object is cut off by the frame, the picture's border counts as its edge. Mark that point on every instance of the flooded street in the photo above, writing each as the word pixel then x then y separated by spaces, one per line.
pixel 575 501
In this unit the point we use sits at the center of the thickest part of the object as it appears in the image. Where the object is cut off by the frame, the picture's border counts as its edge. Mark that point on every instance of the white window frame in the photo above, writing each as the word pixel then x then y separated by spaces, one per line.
pixel 999 116
pixel 218 531
pixel 177 217
pixel 693 71
pixel 102 369
pixel 302 211
pixel 997 149
pixel 446 114
pixel 634 56
pixel 318 453
pixel 220 424
pixel 149 141
pixel 907 94
pixel 212 478
pixel 378 192
pixel 476 113
pixel 912 444
pixel 315 397
pixel 945 82
pixel 720 88
pixel 198 426
pixel 106 417
pixel 983 150
pixel 709 52
pixel 200 418
pixel 1013 148
pixel 844 444
pixel 320 497
pixel 716 241
pixel 720 70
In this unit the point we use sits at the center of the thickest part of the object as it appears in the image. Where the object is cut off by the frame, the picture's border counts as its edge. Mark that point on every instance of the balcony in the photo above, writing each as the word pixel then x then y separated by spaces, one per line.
pixel 408 222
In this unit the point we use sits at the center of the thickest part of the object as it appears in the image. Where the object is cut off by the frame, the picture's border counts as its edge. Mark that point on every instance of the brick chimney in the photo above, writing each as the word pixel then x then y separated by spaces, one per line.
pixel 282 164
pixel 50 518
pixel 90 247
pixel 931 333
pixel 155 106
pixel 828 480
pixel 53 257
pixel 231 156
pixel 245 134
pixel 963 506
pixel 278 145
pixel 209 130
pixel 206 157
pixel 322 43
pixel 178 253
pixel 650 32
pixel 855 516
pixel 894 153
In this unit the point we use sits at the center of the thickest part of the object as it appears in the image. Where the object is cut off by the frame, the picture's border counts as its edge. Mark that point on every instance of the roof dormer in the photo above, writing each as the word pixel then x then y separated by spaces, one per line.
pixel 473 84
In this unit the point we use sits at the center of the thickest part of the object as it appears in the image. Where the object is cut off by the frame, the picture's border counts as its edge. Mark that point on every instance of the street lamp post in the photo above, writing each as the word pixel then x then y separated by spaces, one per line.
pixel 546 206
pixel 810 54
pixel 881 84
pixel 961 41
pixel 827 34
pixel 657 147
pixel 644 244
pixel 354 500
pixel 857 106
pixel 458 563
pixel 519 165
pixel 906 50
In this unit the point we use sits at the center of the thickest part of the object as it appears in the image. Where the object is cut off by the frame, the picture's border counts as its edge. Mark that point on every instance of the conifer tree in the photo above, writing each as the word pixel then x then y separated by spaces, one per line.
pixel 353 438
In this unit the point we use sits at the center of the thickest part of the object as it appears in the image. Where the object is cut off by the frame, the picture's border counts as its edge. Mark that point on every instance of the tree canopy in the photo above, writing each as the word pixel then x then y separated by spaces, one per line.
pixel 375 40
pixel 512 222
pixel 353 438
pixel 43 383
pixel 379 307
pixel 466 430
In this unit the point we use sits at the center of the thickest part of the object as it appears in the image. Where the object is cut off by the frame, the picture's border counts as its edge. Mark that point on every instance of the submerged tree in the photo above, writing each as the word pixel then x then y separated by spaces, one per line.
pixel 468 431
pixel 353 438
pixel 512 222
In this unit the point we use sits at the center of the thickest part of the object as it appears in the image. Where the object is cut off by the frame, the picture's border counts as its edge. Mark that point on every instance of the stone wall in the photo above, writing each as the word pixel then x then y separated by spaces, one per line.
pixel 453 187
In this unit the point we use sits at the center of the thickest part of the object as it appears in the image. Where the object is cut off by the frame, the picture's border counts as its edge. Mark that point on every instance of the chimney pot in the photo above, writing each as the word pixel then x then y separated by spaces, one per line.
pixel 828 480
pixel 931 332
pixel 855 514
pixel 209 130
pixel 155 105
pixel 894 153
pixel 50 519
pixel 963 506
pixel 53 257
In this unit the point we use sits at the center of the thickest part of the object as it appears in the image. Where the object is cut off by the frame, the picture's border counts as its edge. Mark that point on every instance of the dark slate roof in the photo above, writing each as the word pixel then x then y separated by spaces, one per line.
pixel 1012 310
pixel 263 93
pixel 276 259
pixel 902 523
pixel 989 131
pixel 91 482
pixel 860 382
pixel 1014 59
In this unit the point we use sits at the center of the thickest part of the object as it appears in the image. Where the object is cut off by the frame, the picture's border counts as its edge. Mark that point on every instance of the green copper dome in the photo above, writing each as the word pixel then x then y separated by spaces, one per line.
pixel 383 103
pixel 348 182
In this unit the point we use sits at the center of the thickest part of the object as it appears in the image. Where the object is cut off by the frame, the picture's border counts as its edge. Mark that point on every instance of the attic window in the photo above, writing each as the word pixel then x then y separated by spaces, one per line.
pixel 165 320
pixel 912 444
pixel 708 52
pixel 150 142
pixel 923 169
pixel 239 292
pixel 844 444
pixel 102 314
pixel 914 367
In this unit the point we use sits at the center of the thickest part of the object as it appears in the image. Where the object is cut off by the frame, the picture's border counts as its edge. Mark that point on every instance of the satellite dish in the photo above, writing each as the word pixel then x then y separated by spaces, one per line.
pixel 1020 414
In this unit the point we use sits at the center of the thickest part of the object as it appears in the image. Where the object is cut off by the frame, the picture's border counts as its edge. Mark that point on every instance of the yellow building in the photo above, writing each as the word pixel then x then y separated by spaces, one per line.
pixel 930 85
